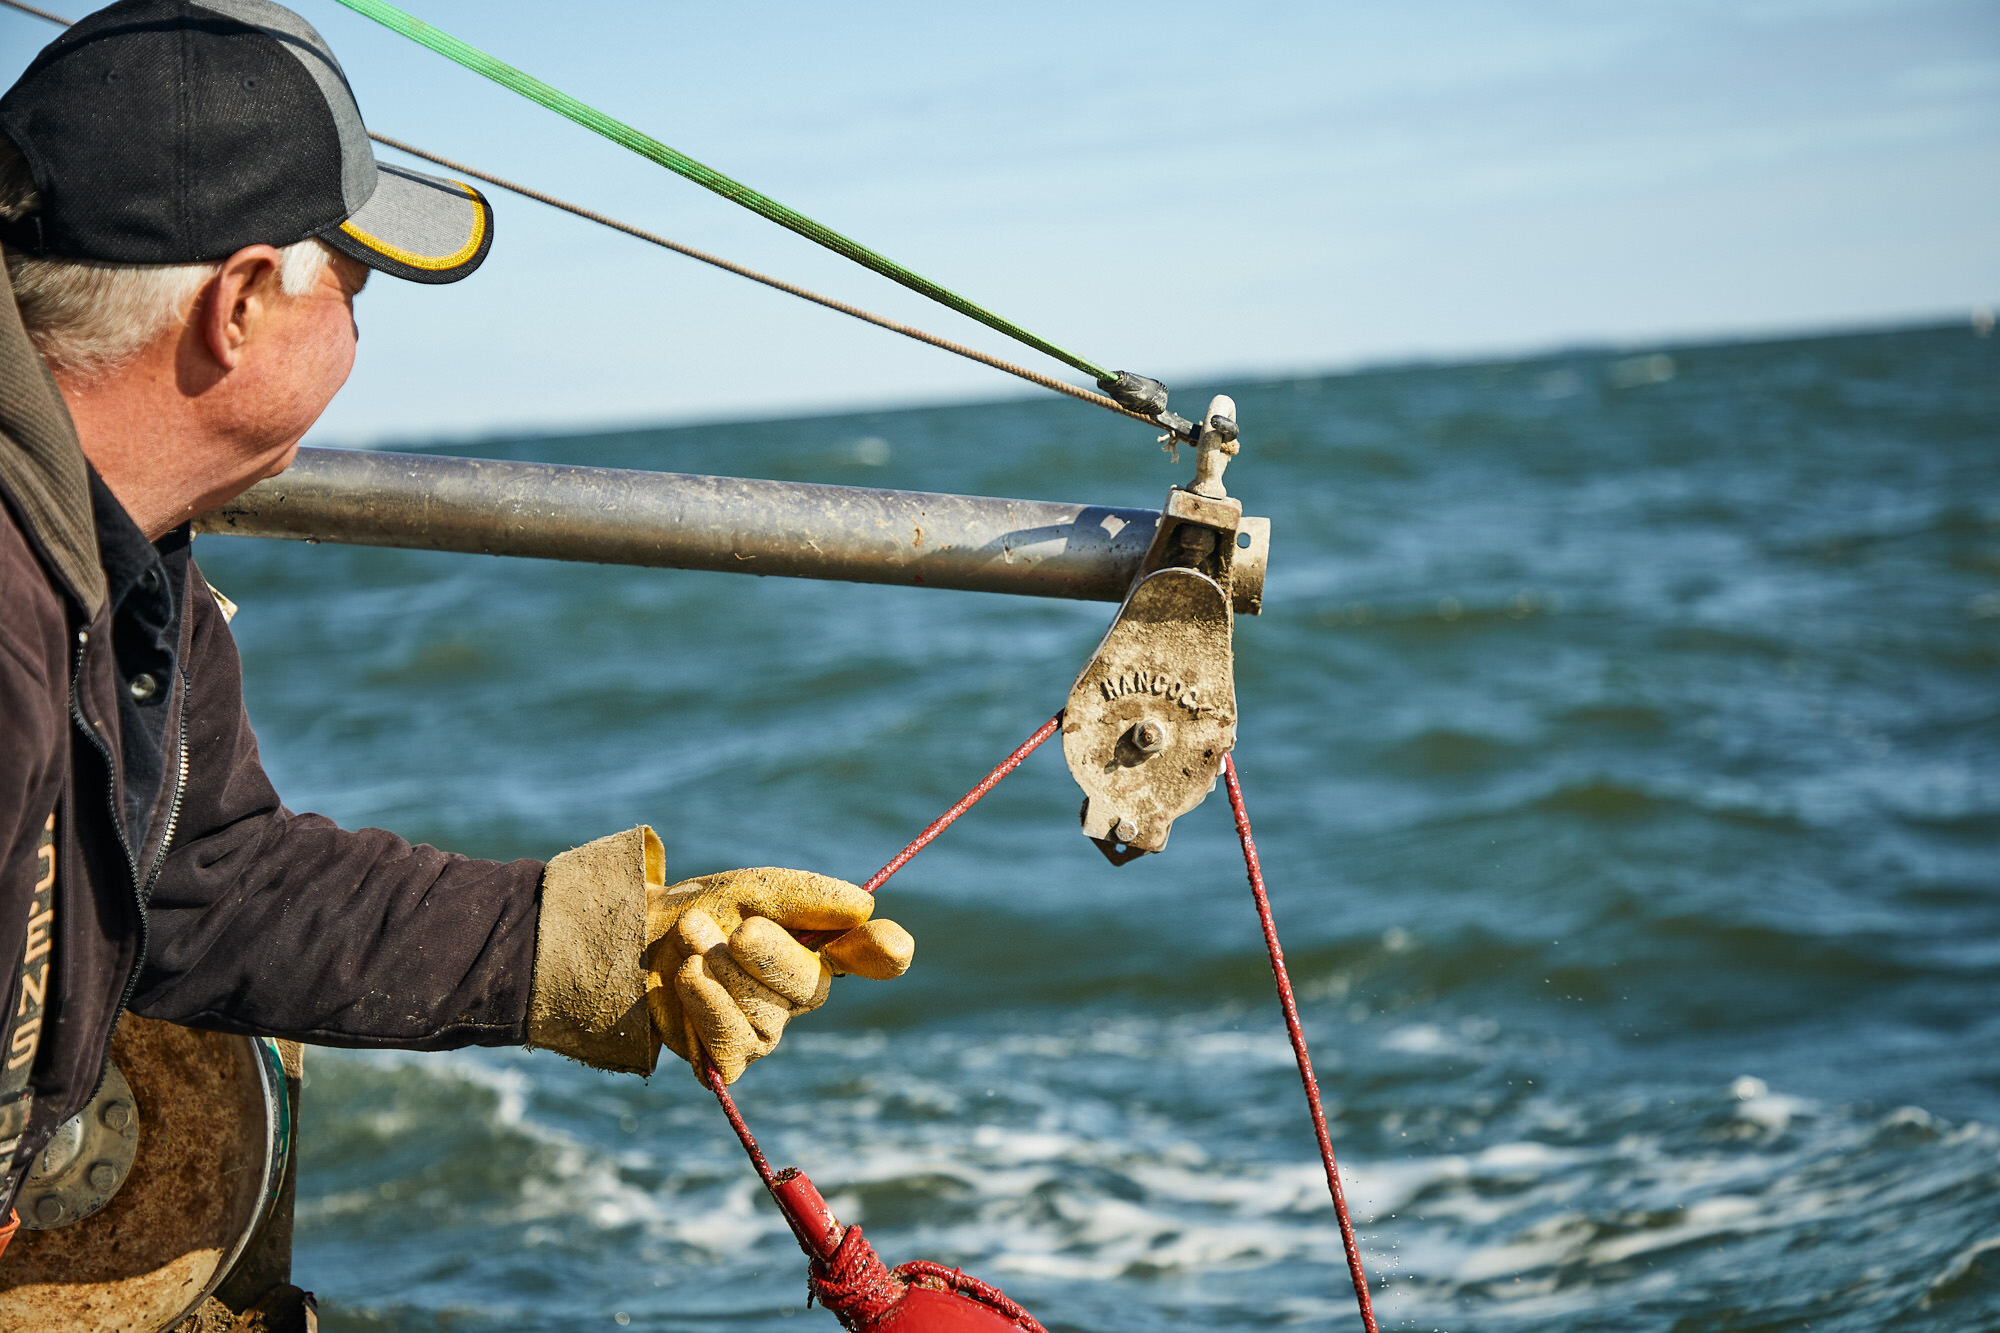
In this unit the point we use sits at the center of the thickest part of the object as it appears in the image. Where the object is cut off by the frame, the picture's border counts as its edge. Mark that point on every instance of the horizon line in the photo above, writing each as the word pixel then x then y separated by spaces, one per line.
pixel 1976 318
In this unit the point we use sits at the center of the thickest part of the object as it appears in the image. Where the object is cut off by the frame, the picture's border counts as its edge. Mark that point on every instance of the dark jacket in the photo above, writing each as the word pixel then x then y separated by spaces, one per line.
pixel 184 889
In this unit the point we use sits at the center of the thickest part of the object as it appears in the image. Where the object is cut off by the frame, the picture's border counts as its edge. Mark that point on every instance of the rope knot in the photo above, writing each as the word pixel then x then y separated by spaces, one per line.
pixel 854 1284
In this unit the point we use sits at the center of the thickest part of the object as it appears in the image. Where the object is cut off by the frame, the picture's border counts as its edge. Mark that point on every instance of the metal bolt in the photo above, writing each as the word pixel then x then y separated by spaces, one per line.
pixel 1194 540
pixel 48 1209
pixel 103 1177
pixel 1149 737
pixel 117 1114
pixel 1126 830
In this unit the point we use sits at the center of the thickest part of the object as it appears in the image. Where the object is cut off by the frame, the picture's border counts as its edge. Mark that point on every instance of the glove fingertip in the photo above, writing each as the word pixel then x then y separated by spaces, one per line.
pixel 880 950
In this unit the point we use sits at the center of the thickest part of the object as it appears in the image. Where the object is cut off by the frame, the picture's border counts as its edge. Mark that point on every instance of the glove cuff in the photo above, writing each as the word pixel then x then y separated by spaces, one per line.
pixel 588 999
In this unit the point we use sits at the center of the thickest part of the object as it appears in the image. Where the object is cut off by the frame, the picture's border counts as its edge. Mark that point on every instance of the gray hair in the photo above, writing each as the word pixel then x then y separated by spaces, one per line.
pixel 89 318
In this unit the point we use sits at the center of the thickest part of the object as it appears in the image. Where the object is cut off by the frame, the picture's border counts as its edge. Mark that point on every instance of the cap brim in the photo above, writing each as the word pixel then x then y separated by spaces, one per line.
pixel 423 228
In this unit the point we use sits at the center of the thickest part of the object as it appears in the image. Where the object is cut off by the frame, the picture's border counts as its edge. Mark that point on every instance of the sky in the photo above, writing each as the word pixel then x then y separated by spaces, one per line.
pixel 1185 190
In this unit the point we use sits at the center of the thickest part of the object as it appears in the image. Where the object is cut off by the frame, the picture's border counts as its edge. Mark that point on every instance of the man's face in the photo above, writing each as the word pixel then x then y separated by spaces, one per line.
pixel 306 350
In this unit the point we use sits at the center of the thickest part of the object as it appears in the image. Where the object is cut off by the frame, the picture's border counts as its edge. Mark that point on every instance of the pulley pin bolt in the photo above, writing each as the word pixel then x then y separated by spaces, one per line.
pixel 1147 737
pixel 1126 830
pixel 1195 541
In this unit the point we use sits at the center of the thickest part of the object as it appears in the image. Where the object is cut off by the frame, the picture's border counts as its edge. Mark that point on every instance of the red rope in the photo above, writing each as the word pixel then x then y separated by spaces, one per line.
pixel 965 802
pixel 944 821
pixel 951 1279
pixel 854 1283
pixel 1290 1005
pixel 736 1122
pixel 855 1278
pixel 858 1289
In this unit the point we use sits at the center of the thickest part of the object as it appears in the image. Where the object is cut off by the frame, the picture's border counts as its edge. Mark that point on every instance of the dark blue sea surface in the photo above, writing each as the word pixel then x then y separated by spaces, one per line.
pixel 1623 740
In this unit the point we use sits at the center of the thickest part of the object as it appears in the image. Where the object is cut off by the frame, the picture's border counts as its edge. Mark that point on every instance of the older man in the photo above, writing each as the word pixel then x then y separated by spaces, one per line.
pixel 189 206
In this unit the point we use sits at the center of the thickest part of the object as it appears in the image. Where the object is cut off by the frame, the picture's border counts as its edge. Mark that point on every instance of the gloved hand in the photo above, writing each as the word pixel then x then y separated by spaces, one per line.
pixel 724 973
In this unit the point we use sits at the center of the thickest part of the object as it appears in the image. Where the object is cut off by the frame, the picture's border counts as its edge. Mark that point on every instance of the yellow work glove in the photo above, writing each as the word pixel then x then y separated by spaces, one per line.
pixel 724 973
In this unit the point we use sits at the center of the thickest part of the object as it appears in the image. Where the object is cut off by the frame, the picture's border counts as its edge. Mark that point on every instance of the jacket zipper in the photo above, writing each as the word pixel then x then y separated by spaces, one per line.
pixel 180 790
pixel 141 887
pixel 143 893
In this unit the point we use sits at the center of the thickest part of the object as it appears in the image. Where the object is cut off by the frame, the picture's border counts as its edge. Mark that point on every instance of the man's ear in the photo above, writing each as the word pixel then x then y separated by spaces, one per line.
pixel 236 302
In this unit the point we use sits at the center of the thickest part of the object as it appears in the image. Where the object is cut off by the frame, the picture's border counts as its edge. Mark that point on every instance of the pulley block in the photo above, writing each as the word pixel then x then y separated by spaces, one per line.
pixel 1152 714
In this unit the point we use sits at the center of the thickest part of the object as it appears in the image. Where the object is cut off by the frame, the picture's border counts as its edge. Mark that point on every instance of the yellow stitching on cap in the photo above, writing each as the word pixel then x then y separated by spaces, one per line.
pixel 435 264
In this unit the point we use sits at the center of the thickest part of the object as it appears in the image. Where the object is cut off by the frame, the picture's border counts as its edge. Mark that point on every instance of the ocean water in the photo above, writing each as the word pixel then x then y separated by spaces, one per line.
pixel 1623 740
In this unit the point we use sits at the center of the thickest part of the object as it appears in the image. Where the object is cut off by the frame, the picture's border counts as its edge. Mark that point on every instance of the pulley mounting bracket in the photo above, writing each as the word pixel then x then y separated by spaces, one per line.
pixel 1152 714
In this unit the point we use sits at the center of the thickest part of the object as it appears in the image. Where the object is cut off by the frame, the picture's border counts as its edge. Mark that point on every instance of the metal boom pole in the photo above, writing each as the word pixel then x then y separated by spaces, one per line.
pixel 677 520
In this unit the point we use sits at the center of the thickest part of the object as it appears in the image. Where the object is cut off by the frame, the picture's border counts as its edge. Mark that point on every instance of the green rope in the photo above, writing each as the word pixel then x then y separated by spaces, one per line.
pixel 652 149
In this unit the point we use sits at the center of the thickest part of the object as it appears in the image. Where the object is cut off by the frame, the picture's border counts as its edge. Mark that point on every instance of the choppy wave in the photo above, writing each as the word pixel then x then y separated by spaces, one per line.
pixel 1137 1153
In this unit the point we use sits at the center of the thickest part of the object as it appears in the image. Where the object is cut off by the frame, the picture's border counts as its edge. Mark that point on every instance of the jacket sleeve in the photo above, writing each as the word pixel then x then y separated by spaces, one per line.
pixel 282 924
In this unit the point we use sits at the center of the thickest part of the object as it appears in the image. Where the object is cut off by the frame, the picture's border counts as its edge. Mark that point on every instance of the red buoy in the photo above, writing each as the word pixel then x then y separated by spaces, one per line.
pixel 849 1279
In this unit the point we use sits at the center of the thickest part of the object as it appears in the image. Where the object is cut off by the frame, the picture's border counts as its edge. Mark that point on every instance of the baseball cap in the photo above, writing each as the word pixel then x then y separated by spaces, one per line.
pixel 180 131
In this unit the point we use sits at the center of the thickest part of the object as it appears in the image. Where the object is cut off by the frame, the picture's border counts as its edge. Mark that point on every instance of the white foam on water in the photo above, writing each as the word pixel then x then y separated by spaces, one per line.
pixel 1119 1240
pixel 1056 1182
pixel 1957 1268
pixel 569 1180
pixel 1674 1196
pixel 1771 1112
pixel 1545 1245
pixel 1270 1190
pixel 1419 1039
pixel 1526 1158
